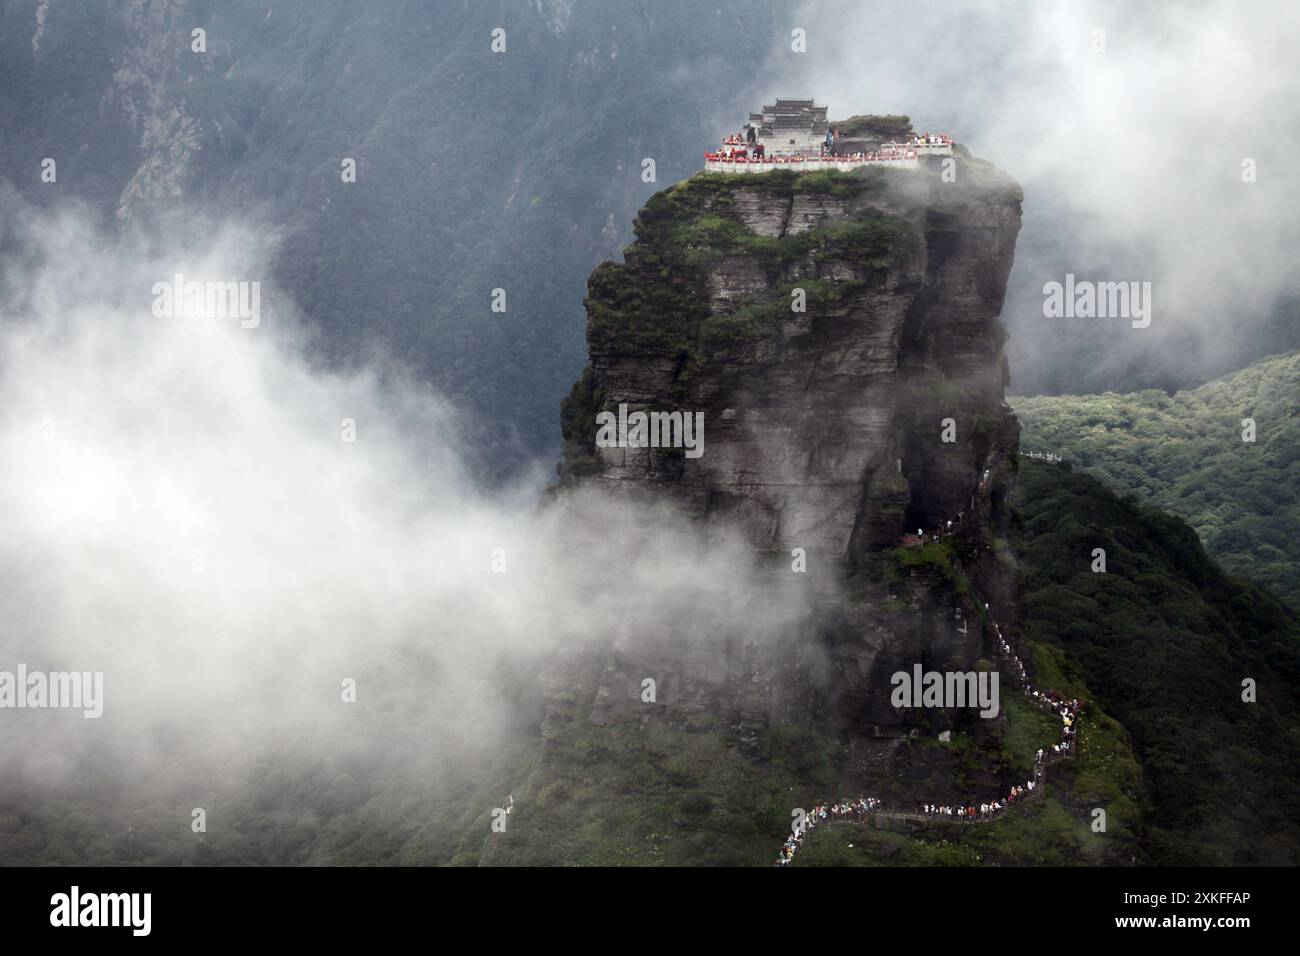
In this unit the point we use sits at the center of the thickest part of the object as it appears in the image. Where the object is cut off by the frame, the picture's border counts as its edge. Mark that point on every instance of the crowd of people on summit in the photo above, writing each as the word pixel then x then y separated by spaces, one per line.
pixel 930 139
pixel 741 146
pixel 745 147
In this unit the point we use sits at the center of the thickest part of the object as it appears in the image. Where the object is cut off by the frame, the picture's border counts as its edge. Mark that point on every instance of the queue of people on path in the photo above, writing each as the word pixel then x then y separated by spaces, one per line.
pixel 845 811
pixel 857 810
pixel 952 524
pixel 1051 456
pixel 984 810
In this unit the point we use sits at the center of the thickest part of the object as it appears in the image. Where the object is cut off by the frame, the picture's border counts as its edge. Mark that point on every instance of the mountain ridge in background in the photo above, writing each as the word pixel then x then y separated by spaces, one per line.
pixel 1184 453
pixel 478 171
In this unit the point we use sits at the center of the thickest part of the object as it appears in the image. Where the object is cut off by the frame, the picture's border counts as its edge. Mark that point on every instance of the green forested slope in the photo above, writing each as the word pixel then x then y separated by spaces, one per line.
pixel 1164 639
pixel 1184 453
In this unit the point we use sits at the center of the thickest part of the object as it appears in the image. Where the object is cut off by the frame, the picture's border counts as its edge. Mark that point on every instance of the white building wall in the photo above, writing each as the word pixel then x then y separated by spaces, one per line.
pixel 776 144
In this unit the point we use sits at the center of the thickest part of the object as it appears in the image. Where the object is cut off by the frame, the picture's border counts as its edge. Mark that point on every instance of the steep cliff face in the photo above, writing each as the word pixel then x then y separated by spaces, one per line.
pixel 834 329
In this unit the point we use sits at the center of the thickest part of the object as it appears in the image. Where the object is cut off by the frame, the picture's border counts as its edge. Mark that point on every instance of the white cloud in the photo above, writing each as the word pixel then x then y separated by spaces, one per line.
pixel 1130 159
pixel 138 449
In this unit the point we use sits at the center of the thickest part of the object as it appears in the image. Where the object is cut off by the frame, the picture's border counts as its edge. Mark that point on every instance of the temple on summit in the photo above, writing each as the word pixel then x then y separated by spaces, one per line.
pixel 791 131
pixel 790 127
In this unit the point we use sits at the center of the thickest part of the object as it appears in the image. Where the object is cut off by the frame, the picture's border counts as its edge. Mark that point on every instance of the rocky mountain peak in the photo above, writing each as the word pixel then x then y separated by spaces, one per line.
pixel 837 337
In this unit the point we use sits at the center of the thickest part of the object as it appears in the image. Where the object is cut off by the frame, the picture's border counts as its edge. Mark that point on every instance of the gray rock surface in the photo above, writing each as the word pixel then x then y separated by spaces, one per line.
pixel 823 432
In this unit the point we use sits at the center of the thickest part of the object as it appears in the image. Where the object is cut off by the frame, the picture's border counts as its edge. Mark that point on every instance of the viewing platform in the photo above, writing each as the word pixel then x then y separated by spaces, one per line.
pixel 718 163
pixel 926 144
pixel 796 135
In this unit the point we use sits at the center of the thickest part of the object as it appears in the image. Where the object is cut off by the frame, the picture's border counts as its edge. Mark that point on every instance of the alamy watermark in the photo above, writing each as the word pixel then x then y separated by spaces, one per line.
pixel 179 299
pixel 946 689
pixel 53 689
pixel 651 430
pixel 130 910
pixel 1098 300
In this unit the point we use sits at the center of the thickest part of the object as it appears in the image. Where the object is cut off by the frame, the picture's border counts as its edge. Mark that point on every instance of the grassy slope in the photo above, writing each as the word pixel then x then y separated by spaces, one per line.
pixel 626 795
pixel 1184 454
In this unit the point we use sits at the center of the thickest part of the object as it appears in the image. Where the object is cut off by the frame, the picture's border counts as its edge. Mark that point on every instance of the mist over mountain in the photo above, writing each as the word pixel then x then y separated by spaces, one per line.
pixel 365 574
pixel 1128 126
pixel 521 170
pixel 244 543
pixel 475 170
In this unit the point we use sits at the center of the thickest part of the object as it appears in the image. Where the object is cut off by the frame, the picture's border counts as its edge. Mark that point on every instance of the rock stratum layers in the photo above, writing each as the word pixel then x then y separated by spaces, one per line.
pixel 834 329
